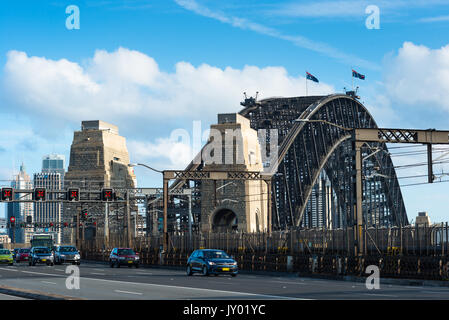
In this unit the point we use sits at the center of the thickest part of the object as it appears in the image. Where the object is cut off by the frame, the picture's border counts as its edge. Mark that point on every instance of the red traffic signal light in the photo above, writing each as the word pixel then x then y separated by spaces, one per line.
pixel 95 223
pixel 73 194
pixel 51 224
pixel 7 194
pixel 12 219
pixel 107 195
pixel 39 194
pixel 66 224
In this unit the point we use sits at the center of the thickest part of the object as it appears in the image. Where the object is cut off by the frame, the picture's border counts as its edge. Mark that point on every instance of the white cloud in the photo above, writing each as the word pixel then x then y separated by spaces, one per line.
pixel 127 88
pixel 419 76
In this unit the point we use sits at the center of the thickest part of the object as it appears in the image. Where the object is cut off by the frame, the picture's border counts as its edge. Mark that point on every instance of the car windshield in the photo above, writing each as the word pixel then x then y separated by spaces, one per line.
pixel 5 252
pixel 68 249
pixel 41 250
pixel 215 255
pixel 24 251
pixel 125 252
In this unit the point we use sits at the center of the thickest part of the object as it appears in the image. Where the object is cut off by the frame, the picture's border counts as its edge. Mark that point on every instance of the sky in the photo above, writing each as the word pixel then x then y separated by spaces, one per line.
pixel 158 67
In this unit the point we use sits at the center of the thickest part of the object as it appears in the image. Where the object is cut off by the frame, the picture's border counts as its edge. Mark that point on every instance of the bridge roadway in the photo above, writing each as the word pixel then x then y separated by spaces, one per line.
pixel 99 281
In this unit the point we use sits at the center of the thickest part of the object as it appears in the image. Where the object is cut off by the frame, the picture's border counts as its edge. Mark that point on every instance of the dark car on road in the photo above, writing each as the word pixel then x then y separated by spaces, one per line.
pixel 69 254
pixel 211 261
pixel 124 256
pixel 41 255
pixel 23 255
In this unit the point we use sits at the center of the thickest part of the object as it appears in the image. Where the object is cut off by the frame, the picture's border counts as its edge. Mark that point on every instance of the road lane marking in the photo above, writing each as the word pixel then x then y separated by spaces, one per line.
pixel 289 282
pixel 128 292
pixel 8 269
pixel 48 282
pixel 435 292
pixel 60 270
pixel 100 274
pixel 379 294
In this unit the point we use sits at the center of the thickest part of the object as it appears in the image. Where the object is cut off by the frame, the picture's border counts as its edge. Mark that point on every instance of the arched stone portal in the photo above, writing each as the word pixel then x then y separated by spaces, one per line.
pixel 224 220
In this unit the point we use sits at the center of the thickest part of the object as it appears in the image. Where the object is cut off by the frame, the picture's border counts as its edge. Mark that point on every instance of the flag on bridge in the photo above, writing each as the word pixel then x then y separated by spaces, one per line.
pixel 311 77
pixel 357 75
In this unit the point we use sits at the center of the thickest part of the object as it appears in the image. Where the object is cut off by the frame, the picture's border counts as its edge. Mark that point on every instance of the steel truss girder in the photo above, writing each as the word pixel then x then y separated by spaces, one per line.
pixel 306 149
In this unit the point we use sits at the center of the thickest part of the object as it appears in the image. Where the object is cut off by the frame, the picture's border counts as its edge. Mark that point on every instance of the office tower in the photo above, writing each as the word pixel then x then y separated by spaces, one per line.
pixel 45 213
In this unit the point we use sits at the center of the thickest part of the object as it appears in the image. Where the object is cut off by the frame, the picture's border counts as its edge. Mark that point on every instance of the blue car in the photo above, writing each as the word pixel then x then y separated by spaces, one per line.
pixel 211 261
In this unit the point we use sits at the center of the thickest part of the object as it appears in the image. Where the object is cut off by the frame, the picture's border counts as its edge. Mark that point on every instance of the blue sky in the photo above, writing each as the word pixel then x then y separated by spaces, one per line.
pixel 155 66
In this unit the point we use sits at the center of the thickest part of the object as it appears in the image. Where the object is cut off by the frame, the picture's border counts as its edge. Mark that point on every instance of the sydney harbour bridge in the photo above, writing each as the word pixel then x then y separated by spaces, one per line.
pixel 313 174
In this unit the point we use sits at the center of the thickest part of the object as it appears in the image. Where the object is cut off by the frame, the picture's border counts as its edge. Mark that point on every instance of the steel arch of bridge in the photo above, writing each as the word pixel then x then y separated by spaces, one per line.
pixel 317 159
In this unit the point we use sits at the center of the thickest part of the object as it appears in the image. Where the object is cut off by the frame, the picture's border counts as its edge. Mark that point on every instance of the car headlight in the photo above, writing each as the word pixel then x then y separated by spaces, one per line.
pixel 62 255
pixel 121 258
pixel 137 258
pixel 77 256
pixel 211 263
pixel 234 264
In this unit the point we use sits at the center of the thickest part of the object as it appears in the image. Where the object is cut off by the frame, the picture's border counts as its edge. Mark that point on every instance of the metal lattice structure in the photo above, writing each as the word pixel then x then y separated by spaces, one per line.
pixel 313 179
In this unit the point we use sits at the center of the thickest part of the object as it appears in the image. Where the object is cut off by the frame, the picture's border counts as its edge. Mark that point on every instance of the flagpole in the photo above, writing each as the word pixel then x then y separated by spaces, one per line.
pixel 306 87
pixel 352 78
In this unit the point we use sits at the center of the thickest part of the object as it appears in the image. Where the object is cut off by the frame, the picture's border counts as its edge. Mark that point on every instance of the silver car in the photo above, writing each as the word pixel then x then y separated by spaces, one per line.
pixel 41 255
pixel 67 254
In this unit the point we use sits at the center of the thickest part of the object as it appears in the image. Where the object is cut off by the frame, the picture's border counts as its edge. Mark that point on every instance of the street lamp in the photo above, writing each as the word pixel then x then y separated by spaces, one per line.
pixel 144 165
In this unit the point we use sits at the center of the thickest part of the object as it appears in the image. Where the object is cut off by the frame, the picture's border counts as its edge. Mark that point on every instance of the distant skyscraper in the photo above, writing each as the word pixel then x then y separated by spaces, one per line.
pixel 49 212
pixel 20 210
pixel 53 163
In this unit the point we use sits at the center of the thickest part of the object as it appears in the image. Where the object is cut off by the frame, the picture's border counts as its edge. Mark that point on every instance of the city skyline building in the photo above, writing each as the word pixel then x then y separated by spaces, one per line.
pixel 49 212
pixel 53 163
pixel 20 210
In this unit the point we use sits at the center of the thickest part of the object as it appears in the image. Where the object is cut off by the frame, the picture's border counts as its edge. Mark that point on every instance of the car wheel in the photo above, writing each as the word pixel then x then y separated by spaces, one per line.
pixel 17 261
pixel 111 264
pixel 11 264
pixel 137 265
pixel 78 263
pixel 205 271
pixel 117 264
pixel 189 270
pixel 233 275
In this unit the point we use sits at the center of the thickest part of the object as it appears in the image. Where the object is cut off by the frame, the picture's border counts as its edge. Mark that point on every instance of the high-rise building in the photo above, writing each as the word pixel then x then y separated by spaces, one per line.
pixel 45 213
pixel 53 163
pixel 98 159
pixel 20 210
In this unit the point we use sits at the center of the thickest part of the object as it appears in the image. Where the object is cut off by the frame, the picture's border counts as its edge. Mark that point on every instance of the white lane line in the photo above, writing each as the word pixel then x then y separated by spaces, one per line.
pixel 100 274
pixel 99 269
pixel 289 282
pixel 8 269
pixel 48 282
pixel 435 292
pixel 60 270
pixel 128 292
pixel 379 294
